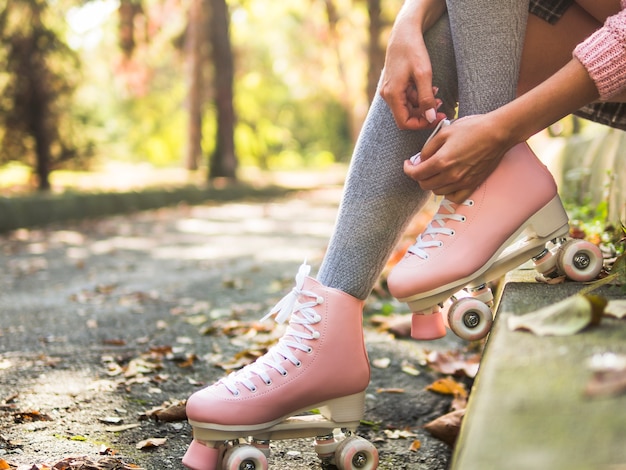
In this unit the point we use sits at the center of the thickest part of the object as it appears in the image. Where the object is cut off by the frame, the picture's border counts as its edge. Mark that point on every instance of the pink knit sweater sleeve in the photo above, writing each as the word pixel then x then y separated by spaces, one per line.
pixel 604 55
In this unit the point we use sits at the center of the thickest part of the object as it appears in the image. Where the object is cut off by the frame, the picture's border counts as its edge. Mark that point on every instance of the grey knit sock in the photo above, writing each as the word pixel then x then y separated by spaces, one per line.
pixel 488 38
pixel 379 199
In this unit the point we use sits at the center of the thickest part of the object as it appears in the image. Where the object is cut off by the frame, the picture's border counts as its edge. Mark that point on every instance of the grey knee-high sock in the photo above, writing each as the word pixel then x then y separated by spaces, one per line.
pixel 379 199
pixel 488 38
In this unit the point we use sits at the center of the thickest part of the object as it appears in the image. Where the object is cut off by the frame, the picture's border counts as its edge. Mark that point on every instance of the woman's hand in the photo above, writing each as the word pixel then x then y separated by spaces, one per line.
pixel 407 77
pixel 460 157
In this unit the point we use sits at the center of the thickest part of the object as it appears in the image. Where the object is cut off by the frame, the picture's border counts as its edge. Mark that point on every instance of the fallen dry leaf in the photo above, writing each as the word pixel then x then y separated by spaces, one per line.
pixel 551 280
pixel 398 325
pixel 29 416
pixel 151 442
pixel 121 427
pixel 616 308
pixel 446 427
pixel 409 369
pixel 399 434
pixel 567 317
pixel 168 412
pixel 381 363
pixel 415 446
pixel 79 463
pixel 389 390
pixel 454 362
pixel 448 386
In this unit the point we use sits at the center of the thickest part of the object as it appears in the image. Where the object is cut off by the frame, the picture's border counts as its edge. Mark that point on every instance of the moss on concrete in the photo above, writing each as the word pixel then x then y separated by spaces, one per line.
pixel 528 409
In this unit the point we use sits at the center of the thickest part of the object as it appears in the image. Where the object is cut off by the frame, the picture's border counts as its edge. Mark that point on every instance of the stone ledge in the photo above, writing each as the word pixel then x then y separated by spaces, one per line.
pixel 527 409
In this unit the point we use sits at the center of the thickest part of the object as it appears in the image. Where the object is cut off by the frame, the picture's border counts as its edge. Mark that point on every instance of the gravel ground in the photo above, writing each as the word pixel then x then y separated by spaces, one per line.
pixel 104 321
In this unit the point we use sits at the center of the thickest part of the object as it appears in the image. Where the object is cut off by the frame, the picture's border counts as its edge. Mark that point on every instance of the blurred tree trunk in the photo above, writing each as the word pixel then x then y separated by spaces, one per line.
pixel 375 53
pixel 346 96
pixel 34 96
pixel 193 46
pixel 223 161
pixel 39 78
pixel 127 12
pixel 40 131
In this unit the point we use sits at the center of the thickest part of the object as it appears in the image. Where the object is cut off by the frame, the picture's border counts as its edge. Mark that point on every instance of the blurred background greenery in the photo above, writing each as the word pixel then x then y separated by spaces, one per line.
pixel 109 93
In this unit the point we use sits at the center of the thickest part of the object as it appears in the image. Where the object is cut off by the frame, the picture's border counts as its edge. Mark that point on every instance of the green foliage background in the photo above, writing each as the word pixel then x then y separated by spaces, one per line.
pixel 292 107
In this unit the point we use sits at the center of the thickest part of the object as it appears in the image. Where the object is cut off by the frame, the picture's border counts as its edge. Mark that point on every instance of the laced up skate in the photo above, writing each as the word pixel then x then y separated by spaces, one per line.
pixel 301 328
pixel 514 216
pixel 319 363
pixel 436 227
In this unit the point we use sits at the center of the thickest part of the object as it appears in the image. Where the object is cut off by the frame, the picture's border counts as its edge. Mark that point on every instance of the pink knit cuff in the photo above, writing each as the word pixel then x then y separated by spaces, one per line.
pixel 604 56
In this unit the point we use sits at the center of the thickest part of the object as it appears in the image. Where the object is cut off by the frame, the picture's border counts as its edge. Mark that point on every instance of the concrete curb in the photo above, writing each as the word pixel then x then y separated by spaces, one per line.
pixel 528 409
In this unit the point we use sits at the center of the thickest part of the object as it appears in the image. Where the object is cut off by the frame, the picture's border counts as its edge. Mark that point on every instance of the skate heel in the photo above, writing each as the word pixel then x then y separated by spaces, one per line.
pixel 549 222
pixel 201 457
pixel 427 326
pixel 344 409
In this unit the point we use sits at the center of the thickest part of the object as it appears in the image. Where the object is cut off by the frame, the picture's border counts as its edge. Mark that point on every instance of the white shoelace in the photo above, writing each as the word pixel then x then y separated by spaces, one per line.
pixel 302 316
pixel 437 226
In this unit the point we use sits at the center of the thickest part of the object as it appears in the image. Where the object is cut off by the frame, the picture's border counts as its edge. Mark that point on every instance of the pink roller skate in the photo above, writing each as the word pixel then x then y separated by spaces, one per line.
pixel 320 363
pixel 514 216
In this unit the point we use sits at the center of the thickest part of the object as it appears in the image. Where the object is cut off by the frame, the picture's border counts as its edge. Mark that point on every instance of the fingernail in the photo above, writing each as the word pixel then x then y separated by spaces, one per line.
pixel 416 159
pixel 430 115
pixel 435 90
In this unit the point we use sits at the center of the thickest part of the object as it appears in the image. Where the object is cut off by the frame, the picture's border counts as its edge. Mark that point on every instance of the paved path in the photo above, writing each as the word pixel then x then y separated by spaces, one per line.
pixel 101 321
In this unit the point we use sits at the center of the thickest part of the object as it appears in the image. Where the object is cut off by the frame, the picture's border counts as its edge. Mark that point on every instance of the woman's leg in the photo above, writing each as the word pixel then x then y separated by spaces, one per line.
pixel 488 39
pixel 548 47
pixel 379 199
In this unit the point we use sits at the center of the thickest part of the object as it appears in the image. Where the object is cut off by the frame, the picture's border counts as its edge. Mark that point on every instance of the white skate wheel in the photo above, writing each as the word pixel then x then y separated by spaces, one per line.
pixel 325 447
pixel 244 457
pixel 580 260
pixel 546 264
pixel 355 453
pixel 470 318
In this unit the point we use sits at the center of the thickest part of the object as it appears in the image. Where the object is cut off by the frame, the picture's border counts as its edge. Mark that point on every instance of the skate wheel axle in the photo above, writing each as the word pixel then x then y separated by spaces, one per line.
pixel 471 319
pixel 359 460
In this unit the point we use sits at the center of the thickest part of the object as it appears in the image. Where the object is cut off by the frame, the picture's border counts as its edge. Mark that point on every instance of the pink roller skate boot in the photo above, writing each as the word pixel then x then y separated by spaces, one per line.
pixel 477 241
pixel 319 363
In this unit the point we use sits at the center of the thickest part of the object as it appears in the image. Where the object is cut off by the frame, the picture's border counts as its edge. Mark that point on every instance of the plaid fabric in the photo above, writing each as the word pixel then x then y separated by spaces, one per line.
pixel 607 113
pixel 549 10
